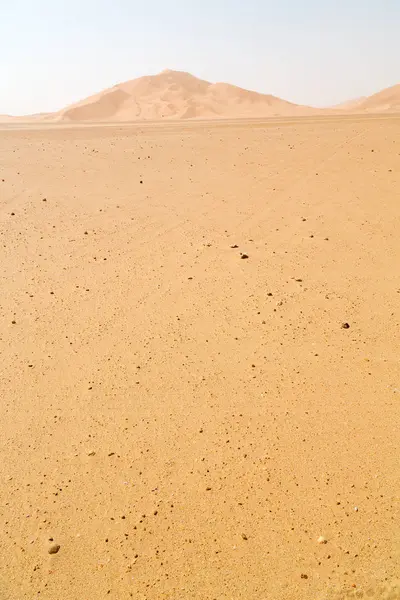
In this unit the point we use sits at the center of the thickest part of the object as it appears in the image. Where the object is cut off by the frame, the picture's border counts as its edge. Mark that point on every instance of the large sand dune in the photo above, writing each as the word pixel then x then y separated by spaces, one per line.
pixel 180 422
pixel 177 95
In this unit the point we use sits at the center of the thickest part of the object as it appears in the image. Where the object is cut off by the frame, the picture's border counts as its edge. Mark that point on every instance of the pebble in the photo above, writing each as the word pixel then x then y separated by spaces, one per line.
pixel 244 537
pixel 53 549
pixel 345 326
pixel 244 256
pixel 322 540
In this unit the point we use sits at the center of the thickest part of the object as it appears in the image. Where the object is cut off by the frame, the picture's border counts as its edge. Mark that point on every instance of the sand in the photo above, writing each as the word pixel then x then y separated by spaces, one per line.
pixel 387 100
pixel 180 422
pixel 176 95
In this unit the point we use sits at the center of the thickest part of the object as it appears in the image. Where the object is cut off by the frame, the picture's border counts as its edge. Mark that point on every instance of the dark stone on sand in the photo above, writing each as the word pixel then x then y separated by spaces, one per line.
pixel 53 549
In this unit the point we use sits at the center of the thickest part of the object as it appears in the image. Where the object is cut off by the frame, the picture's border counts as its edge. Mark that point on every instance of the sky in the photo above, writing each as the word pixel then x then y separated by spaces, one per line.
pixel 314 52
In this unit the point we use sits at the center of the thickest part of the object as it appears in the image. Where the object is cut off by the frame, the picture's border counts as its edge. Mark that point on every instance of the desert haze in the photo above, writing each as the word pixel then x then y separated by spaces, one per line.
pixel 179 95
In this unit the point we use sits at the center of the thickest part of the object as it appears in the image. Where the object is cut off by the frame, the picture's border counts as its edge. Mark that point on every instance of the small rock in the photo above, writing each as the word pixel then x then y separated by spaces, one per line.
pixel 244 537
pixel 235 246
pixel 304 576
pixel 322 540
pixel 356 509
pixel 345 326
pixel 243 256
pixel 53 549
pixel 92 453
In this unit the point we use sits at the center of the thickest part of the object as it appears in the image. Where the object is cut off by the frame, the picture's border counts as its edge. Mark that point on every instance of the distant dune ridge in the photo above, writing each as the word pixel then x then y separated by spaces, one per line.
pixel 179 95
pixel 387 100
pixel 350 104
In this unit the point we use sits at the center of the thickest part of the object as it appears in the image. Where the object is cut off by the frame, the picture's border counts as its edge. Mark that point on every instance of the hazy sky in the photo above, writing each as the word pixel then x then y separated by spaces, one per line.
pixel 318 52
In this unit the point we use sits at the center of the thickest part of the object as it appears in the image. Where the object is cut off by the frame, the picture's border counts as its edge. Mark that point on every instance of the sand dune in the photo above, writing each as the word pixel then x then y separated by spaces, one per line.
pixel 177 95
pixel 40 117
pixel 180 95
pixel 388 100
pixel 350 104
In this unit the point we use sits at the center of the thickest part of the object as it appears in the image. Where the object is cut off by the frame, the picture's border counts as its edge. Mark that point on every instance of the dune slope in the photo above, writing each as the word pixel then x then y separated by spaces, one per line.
pixel 387 100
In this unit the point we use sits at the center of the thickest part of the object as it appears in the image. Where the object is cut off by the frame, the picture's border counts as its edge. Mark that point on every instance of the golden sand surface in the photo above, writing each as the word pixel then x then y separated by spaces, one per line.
pixel 179 421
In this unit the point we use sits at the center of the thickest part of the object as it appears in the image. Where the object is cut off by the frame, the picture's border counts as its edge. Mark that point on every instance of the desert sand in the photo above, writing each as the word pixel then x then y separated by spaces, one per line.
pixel 171 95
pixel 176 95
pixel 387 100
pixel 177 420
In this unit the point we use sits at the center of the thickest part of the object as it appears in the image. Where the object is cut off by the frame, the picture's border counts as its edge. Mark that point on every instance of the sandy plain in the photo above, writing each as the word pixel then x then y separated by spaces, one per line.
pixel 182 422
